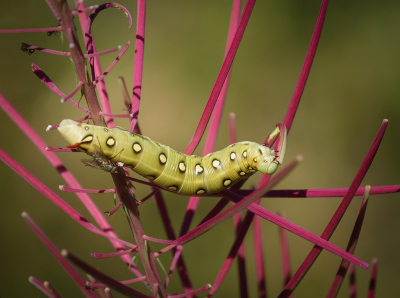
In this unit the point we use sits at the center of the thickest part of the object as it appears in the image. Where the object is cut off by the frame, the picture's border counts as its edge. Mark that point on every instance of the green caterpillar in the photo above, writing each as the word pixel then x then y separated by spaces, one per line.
pixel 172 170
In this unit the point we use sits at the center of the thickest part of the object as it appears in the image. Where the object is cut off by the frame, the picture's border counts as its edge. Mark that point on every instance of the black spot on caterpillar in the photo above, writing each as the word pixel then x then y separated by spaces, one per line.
pixel 172 170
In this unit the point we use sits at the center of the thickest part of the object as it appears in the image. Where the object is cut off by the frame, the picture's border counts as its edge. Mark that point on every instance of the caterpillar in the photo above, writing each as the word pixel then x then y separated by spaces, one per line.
pixel 170 169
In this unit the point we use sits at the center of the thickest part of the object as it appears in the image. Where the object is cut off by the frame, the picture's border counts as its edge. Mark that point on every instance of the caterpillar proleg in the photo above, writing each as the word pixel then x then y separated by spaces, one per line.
pixel 170 169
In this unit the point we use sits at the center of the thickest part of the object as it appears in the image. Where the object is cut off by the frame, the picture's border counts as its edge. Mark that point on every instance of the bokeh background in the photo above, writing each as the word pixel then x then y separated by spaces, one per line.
pixel 353 86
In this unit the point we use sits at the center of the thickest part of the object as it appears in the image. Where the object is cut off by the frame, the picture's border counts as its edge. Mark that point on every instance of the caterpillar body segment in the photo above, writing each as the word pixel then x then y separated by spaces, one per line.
pixel 172 170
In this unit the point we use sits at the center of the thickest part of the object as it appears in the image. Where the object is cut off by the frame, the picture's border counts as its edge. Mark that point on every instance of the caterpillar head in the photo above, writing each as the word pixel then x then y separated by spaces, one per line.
pixel 266 162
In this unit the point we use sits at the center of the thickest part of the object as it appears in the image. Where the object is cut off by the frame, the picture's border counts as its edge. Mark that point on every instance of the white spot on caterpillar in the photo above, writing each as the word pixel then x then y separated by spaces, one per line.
pixel 244 154
pixel 137 148
pixel 110 142
pixel 242 173
pixel 163 158
pixel 87 139
pixel 233 156
pixel 250 168
pixel 86 127
pixel 182 166
pixel 216 163
pixel 199 169
pixel 200 191
pixel 105 129
pixel 227 182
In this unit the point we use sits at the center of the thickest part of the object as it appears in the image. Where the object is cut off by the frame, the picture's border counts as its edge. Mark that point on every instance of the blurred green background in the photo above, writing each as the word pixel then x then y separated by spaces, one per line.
pixel 353 86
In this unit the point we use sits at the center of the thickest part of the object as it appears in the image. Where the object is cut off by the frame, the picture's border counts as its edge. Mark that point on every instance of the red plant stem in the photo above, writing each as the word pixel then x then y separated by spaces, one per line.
pixel 115 116
pixel 66 175
pixel 33 30
pixel 78 59
pixel 125 282
pixel 305 71
pixel 297 230
pixel 53 10
pixel 56 254
pixel 221 78
pixel 51 290
pixel 115 209
pixel 186 294
pixel 352 281
pixel 138 62
pixel 244 227
pixel 102 52
pixel 55 199
pixel 66 188
pixel 77 88
pixel 112 255
pixel 95 62
pixel 259 259
pixel 148 196
pixel 215 119
pixel 307 263
pixel 372 282
pixel 38 284
pixel 102 76
pixel 112 283
pixel 76 11
pixel 177 255
pixel 320 193
pixel 55 149
pixel 285 252
pixel 36 48
pixel 46 80
pixel 351 247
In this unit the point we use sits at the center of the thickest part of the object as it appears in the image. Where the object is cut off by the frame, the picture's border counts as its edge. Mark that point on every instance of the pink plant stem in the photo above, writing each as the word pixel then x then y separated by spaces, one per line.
pixel 148 196
pixel 112 255
pixel 372 282
pixel 55 149
pixel 221 78
pixel 115 116
pixel 101 77
pixel 46 80
pixel 320 193
pixel 66 175
pixel 84 9
pixel 66 188
pixel 77 88
pixel 102 52
pixel 186 294
pixel 351 247
pixel 107 291
pixel 51 290
pixel 53 10
pixel 54 198
pixel 285 252
pixel 305 71
pixel 38 284
pixel 352 280
pixel 125 282
pixel 115 209
pixel 215 120
pixel 138 62
pixel 297 230
pixel 177 255
pixel 46 50
pixel 259 259
pixel 307 263
pixel 91 48
pixel 33 30
pixel 237 218
pixel 244 227
pixel 112 283
pixel 56 254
